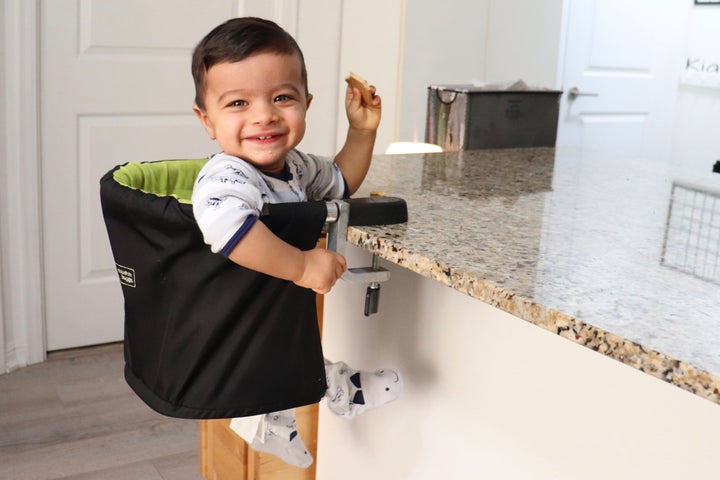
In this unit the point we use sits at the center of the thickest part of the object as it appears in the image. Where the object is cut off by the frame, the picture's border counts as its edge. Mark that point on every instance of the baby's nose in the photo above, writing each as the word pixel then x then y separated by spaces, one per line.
pixel 264 113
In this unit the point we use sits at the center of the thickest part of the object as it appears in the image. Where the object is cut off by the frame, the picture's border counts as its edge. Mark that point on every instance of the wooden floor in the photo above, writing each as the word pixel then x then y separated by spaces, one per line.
pixel 74 418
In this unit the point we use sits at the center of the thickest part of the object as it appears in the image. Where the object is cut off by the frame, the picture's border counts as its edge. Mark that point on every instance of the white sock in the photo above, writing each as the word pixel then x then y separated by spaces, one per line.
pixel 248 428
pixel 352 392
pixel 276 433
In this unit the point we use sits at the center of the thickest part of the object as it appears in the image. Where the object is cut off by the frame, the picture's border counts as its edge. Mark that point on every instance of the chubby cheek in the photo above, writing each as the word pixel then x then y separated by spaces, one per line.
pixel 229 133
pixel 298 124
pixel 300 131
pixel 228 143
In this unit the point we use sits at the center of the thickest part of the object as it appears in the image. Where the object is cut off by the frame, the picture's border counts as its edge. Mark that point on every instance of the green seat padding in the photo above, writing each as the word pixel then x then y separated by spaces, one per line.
pixel 170 178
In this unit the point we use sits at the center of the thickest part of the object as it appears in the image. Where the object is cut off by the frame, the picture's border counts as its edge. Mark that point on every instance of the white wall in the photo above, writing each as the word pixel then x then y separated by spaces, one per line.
pixel 371 33
pixel 324 75
pixel 524 42
pixel 444 43
pixel 488 395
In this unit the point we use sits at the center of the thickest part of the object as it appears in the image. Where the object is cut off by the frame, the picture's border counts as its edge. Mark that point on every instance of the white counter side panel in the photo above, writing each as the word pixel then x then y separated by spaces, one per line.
pixel 488 395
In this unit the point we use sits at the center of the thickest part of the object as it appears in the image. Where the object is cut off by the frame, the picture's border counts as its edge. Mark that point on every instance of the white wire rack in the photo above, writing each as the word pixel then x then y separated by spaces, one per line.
pixel 692 235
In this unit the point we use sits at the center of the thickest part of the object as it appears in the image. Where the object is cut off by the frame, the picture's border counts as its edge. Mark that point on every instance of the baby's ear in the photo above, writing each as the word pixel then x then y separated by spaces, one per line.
pixel 205 120
pixel 309 100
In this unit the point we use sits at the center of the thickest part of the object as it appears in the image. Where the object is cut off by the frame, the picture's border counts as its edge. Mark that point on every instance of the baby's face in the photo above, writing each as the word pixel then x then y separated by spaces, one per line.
pixel 255 108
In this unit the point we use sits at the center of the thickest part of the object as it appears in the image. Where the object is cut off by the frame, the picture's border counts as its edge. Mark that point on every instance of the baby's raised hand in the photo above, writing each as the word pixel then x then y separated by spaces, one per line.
pixel 322 269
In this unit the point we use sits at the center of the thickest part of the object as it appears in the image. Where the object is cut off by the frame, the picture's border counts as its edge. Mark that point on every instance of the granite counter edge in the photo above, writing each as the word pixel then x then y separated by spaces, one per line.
pixel 651 362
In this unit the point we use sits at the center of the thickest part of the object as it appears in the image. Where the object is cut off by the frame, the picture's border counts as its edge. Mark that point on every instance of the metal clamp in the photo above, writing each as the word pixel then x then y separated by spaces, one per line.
pixel 337 225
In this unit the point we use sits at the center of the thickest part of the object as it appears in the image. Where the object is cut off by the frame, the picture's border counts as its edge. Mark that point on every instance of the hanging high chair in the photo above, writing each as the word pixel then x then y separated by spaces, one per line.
pixel 205 337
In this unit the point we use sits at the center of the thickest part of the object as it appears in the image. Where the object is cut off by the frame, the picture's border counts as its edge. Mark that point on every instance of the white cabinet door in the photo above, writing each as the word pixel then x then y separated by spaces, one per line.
pixel 115 87
pixel 622 57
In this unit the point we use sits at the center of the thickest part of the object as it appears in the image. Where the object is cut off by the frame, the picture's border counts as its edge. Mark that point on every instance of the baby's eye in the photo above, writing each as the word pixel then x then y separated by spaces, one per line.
pixel 238 103
pixel 283 98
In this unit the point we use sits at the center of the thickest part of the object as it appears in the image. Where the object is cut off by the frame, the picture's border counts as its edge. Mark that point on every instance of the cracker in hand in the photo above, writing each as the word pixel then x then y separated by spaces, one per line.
pixel 356 81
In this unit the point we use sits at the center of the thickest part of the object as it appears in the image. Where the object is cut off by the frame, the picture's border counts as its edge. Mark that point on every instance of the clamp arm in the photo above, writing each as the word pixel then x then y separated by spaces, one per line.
pixel 363 211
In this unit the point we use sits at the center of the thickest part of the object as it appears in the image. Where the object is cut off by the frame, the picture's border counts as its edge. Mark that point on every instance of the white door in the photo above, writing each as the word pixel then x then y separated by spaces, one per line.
pixel 115 87
pixel 623 57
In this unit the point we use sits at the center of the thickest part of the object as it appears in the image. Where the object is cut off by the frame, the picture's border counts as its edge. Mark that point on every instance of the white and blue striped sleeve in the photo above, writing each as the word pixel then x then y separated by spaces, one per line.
pixel 226 201
pixel 320 176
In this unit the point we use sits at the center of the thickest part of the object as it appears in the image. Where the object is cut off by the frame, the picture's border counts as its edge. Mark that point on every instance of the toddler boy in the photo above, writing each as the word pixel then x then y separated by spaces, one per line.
pixel 252 98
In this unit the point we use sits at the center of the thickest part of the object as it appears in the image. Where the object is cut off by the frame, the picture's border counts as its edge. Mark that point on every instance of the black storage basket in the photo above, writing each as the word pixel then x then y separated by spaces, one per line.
pixel 204 337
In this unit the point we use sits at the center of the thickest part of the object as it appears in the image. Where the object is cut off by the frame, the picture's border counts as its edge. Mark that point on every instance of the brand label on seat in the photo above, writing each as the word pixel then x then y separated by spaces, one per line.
pixel 127 275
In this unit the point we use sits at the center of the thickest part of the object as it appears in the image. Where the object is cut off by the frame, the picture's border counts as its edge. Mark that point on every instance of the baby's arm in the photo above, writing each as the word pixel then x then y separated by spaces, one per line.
pixel 226 198
pixel 262 251
pixel 364 119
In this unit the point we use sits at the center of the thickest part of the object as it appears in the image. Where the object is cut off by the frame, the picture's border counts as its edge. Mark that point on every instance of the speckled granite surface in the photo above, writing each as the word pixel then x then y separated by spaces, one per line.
pixel 574 242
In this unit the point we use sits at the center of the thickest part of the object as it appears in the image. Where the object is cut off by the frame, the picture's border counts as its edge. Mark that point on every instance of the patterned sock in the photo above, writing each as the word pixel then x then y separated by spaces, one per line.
pixel 278 435
pixel 352 392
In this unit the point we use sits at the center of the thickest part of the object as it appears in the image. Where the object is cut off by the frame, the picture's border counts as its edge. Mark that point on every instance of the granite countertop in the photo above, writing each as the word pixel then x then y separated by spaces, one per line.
pixel 582 244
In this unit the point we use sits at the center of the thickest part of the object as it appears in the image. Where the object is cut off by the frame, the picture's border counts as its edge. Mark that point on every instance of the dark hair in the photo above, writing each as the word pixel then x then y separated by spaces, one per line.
pixel 236 40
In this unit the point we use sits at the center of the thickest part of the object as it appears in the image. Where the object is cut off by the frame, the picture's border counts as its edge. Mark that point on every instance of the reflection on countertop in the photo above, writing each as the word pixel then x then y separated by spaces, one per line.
pixel 573 241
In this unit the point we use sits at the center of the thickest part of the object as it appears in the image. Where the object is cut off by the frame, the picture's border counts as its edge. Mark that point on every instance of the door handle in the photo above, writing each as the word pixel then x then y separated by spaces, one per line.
pixel 575 92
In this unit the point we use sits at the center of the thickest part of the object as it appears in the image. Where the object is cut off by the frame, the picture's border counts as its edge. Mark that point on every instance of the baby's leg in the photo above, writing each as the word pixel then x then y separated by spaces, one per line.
pixel 275 433
pixel 352 392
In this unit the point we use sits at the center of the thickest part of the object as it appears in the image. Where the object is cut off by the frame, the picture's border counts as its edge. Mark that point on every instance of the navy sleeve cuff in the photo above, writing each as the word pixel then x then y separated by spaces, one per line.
pixel 232 243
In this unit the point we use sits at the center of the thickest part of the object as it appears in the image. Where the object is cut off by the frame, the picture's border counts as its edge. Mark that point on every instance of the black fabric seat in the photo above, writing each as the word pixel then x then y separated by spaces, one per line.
pixel 204 337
